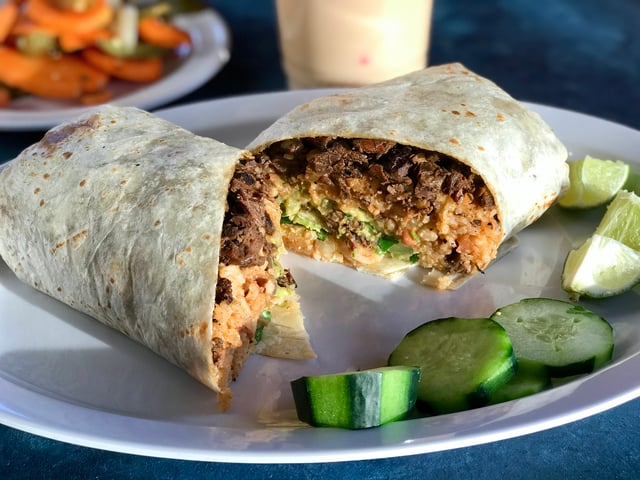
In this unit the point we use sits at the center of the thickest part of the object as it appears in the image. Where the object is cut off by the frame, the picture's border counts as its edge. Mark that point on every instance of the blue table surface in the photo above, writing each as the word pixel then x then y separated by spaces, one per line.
pixel 582 55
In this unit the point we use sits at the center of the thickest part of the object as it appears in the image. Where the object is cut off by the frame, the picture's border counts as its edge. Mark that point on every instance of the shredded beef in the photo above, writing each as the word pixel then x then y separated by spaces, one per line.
pixel 428 182
pixel 455 185
pixel 404 173
pixel 319 142
pixel 286 280
pixel 320 162
pixel 397 164
pixel 246 223
pixel 346 227
pixel 224 291
pixel 484 197
pixel 368 145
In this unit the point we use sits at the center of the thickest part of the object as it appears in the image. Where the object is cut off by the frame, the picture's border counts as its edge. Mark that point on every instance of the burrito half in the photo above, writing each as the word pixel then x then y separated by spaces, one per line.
pixel 436 168
pixel 171 238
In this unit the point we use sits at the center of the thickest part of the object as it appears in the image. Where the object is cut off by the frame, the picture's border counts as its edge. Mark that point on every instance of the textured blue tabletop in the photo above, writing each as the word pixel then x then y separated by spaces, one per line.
pixel 582 55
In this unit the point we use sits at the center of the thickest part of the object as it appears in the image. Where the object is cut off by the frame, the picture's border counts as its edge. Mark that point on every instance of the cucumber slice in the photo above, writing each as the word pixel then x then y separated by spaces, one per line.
pixel 354 400
pixel 463 361
pixel 530 378
pixel 566 338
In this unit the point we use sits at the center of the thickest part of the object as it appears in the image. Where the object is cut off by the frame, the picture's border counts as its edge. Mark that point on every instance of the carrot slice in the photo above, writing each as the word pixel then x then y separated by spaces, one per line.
pixel 142 70
pixel 5 97
pixel 24 26
pixel 9 13
pixel 63 77
pixel 95 98
pixel 35 75
pixel 91 79
pixel 155 31
pixel 43 12
pixel 74 41
pixel 68 40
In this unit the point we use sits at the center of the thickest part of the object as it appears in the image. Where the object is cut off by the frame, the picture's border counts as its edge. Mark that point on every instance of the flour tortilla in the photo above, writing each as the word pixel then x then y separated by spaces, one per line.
pixel 118 214
pixel 451 110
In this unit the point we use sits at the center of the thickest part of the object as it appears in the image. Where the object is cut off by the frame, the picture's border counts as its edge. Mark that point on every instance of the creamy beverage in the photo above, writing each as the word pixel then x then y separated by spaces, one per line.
pixel 352 42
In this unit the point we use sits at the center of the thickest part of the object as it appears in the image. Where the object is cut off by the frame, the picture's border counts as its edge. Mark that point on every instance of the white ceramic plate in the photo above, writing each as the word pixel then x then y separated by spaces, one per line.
pixel 64 376
pixel 210 52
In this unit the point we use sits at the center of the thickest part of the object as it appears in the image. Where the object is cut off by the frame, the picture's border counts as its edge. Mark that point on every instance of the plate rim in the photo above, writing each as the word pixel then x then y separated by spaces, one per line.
pixel 557 406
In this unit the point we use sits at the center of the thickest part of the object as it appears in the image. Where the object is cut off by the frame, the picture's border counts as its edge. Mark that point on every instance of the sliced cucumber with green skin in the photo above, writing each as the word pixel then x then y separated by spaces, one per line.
pixel 530 378
pixel 354 400
pixel 463 361
pixel 566 338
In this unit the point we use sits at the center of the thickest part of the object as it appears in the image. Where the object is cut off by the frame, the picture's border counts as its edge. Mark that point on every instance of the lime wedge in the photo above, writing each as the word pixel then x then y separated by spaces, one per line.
pixel 593 182
pixel 633 182
pixel 621 221
pixel 601 267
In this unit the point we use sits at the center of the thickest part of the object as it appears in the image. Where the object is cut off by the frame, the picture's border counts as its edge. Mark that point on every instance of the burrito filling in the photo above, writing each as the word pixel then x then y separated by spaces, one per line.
pixel 250 277
pixel 380 206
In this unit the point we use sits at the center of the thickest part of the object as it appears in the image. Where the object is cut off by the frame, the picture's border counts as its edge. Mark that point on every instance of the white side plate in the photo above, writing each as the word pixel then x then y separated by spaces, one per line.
pixel 210 52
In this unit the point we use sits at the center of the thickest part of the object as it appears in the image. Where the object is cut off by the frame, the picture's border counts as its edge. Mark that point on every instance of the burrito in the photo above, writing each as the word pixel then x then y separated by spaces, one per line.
pixel 437 168
pixel 171 238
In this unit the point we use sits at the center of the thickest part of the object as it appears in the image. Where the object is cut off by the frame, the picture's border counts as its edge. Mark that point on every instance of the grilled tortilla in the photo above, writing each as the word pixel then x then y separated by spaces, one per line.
pixel 166 236
pixel 436 168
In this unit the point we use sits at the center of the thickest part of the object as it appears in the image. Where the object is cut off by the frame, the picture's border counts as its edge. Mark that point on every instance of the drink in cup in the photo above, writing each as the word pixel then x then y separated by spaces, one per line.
pixel 329 43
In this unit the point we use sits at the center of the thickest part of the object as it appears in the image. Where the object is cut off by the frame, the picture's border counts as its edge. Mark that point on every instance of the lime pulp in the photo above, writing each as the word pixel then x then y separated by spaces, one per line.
pixel 601 267
pixel 593 182
pixel 621 221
